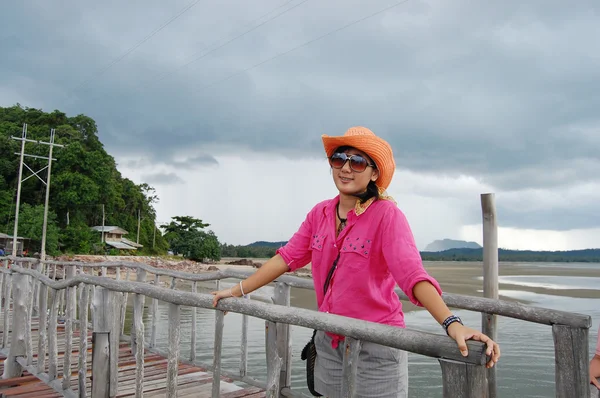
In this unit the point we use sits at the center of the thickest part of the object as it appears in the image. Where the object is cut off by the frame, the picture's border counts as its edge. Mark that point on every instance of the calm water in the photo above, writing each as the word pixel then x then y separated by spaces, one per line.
pixel 527 364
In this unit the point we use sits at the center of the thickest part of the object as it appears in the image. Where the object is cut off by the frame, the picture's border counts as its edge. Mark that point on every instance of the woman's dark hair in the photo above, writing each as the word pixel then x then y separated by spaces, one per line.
pixel 371 192
pixel 372 189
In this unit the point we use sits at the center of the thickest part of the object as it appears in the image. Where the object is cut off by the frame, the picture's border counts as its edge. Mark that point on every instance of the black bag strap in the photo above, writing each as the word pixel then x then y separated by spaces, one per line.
pixel 330 274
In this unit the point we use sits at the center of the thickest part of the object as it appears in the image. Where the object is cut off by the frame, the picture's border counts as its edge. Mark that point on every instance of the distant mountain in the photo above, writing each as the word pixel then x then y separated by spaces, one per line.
pixel 262 243
pixel 447 244
pixel 568 256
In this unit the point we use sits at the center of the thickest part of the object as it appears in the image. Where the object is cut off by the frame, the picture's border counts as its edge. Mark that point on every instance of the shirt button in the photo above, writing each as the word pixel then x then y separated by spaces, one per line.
pixel 334 245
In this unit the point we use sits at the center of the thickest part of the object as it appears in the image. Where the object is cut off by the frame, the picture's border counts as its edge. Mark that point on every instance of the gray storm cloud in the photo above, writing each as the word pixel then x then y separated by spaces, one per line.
pixel 506 92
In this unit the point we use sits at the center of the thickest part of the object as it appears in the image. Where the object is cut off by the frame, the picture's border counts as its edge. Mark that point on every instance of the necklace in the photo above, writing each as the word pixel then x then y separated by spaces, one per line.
pixel 342 220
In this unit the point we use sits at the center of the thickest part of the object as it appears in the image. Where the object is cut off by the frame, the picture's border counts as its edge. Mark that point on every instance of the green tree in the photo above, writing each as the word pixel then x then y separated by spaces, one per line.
pixel 84 179
pixel 186 237
pixel 31 221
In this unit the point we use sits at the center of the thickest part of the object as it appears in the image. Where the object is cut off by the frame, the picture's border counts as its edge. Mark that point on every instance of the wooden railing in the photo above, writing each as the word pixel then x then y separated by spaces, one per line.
pixel 28 282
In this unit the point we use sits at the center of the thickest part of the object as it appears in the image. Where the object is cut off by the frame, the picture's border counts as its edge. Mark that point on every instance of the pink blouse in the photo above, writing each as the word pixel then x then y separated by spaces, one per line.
pixel 376 251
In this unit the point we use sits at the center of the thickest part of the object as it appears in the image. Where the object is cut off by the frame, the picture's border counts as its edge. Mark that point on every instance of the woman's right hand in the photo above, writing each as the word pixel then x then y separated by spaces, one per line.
pixel 225 293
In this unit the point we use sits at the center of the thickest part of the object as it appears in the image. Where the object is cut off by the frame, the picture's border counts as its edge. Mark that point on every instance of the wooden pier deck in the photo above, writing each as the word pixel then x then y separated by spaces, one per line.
pixel 192 381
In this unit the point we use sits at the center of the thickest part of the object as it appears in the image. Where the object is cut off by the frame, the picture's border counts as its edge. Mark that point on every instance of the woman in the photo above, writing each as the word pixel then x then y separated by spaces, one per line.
pixel 360 246
pixel 595 364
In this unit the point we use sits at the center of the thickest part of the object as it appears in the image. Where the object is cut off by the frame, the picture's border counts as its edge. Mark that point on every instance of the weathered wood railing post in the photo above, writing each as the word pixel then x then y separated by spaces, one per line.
pixel 284 338
pixel 244 347
pixel 571 358
pixel 39 267
pixel 2 286
pixel 83 341
pixel 462 380
pixel 351 353
pixel 104 306
pixel 53 335
pixel 28 325
pixel 42 327
pixel 218 345
pixel 7 298
pixel 124 303
pixel 490 276
pixel 274 360
pixel 137 337
pixel 138 311
pixel 173 357
pixel 154 312
pixel 18 344
pixel 70 297
pixel 194 331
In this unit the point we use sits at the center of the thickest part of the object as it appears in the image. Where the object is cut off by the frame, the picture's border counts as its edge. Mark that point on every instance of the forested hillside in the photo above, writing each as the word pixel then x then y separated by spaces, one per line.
pixel 84 178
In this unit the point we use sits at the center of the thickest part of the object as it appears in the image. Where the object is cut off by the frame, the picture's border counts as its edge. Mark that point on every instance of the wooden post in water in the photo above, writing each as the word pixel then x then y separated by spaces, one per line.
pixel 103 307
pixel 283 337
pixel 18 345
pixel 462 380
pixel 490 276
pixel 571 358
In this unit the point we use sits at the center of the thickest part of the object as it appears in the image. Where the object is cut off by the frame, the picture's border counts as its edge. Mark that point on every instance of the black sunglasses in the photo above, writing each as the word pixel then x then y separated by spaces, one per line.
pixel 357 163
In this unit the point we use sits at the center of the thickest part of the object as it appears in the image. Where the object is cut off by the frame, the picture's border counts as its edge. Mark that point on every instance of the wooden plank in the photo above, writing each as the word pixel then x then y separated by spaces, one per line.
pixel 571 358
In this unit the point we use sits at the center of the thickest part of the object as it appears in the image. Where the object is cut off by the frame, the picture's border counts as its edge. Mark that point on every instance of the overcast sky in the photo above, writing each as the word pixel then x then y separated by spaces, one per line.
pixel 221 105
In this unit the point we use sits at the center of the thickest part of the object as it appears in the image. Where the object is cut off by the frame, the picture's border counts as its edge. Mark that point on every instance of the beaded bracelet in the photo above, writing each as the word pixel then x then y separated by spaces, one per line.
pixel 450 320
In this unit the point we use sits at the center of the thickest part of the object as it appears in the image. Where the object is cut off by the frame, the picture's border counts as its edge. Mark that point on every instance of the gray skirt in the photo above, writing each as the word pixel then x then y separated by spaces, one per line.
pixel 382 372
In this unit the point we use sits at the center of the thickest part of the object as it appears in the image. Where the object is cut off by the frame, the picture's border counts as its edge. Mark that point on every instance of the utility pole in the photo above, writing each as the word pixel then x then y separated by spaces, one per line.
pixel 154 237
pixel 138 232
pixel 23 139
pixel 103 223
pixel 22 163
pixel 52 144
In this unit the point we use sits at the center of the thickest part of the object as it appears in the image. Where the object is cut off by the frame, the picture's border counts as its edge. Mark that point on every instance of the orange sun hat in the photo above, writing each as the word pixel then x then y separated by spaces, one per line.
pixel 365 140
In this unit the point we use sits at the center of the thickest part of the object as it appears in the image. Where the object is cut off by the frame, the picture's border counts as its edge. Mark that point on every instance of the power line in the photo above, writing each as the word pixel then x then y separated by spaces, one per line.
pixel 236 37
pixel 135 46
pixel 161 76
pixel 304 44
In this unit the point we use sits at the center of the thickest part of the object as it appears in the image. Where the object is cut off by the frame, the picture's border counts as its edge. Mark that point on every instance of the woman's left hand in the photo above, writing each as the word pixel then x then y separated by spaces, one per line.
pixel 462 333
